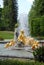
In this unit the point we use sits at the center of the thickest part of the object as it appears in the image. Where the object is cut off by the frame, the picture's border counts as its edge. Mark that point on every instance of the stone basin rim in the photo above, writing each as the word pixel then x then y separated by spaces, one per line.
pixel 7 56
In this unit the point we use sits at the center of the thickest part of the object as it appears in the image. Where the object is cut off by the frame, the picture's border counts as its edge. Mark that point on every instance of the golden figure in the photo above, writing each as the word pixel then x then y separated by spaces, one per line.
pixel 21 37
pixel 11 43
pixel 25 40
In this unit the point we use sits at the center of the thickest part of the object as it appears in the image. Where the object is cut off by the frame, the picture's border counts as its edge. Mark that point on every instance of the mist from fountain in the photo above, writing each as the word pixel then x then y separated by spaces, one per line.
pixel 23 24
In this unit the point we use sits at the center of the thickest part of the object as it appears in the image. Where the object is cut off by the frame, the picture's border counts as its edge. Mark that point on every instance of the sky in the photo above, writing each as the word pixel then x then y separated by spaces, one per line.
pixel 23 5
pixel 1 3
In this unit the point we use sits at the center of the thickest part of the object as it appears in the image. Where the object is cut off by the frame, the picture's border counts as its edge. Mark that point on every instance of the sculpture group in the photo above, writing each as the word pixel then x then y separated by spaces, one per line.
pixel 25 40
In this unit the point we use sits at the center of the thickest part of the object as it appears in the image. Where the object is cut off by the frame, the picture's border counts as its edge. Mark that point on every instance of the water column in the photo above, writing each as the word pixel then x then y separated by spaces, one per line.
pixel 23 24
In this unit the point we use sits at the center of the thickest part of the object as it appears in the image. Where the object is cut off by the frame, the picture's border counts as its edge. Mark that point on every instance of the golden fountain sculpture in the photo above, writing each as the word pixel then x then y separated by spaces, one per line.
pixel 11 43
pixel 25 40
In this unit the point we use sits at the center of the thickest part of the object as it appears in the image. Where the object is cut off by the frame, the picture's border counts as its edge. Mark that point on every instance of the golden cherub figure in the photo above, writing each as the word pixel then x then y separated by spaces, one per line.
pixel 11 43
pixel 35 45
pixel 21 37
pixel 6 45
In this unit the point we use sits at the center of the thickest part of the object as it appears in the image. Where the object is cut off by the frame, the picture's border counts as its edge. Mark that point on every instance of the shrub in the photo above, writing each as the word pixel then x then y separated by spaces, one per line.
pixel 18 62
pixel 37 26
pixel 39 54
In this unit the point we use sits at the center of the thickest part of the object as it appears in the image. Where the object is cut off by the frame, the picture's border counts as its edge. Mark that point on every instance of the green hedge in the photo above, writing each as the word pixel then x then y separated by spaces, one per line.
pixel 39 54
pixel 16 62
pixel 37 26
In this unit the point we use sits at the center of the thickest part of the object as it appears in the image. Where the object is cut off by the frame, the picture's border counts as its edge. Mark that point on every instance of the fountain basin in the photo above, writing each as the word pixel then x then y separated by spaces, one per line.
pixel 10 53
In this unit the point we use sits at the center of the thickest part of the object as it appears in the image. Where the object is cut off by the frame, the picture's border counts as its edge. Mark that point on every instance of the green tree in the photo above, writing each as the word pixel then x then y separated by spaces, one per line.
pixel 0 18
pixel 37 11
pixel 13 15
pixel 9 14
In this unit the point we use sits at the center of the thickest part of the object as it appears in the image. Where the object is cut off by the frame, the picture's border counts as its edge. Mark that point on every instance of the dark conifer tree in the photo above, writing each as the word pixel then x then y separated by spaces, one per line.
pixel 9 14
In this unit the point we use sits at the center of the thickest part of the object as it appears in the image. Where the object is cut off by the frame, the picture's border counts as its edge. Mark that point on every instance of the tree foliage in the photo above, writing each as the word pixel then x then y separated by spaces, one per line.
pixel 36 15
pixel 37 8
pixel 9 14
pixel 0 18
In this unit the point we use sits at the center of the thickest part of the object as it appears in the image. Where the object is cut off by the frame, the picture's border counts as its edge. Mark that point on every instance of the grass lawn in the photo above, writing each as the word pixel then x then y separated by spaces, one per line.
pixel 6 34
